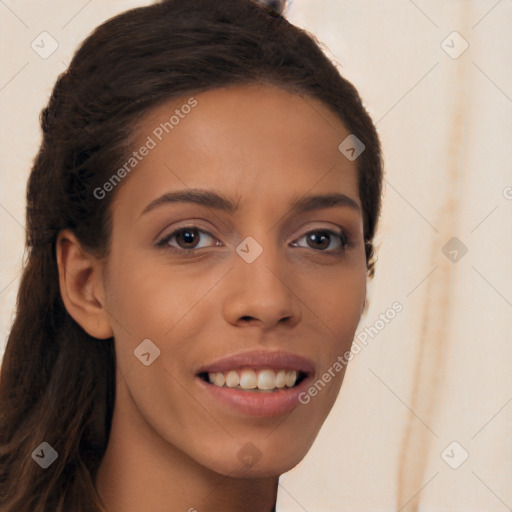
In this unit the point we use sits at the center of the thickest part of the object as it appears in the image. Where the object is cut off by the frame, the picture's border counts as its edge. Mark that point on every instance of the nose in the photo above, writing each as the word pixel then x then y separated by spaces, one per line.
pixel 261 293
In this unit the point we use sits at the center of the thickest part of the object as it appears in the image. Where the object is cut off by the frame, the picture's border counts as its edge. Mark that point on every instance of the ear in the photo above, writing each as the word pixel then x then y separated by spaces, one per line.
pixel 81 286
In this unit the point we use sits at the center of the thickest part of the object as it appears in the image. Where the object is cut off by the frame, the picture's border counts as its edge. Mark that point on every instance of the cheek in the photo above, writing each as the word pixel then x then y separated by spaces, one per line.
pixel 336 299
pixel 143 305
pixel 150 298
pixel 158 302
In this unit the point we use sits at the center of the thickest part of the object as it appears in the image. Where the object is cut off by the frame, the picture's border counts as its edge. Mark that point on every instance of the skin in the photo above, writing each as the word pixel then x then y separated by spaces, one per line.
pixel 172 448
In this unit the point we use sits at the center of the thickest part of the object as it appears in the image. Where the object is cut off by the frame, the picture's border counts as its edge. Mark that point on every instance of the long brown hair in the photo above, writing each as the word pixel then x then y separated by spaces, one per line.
pixel 57 382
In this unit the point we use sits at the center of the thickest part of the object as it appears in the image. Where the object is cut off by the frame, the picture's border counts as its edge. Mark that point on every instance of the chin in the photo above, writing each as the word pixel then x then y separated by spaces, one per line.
pixel 250 462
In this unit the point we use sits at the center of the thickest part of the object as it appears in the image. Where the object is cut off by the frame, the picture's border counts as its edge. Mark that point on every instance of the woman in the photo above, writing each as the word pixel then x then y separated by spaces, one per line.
pixel 200 219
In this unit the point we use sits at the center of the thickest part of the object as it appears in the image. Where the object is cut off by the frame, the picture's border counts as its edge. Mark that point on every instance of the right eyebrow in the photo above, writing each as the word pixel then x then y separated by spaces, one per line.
pixel 197 196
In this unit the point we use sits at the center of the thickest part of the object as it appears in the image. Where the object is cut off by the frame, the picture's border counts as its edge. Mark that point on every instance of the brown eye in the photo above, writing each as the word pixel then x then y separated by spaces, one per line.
pixel 321 239
pixel 187 239
pixel 318 240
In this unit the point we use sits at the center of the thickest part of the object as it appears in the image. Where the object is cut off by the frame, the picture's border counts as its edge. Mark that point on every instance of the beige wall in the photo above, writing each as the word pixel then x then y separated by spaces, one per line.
pixel 436 379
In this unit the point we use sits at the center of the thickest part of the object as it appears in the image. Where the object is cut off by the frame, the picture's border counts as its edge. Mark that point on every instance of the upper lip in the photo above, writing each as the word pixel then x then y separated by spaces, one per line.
pixel 260 360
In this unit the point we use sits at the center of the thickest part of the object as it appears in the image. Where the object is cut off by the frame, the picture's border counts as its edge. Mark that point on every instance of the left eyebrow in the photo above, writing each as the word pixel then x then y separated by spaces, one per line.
pixel 211 199
pixel 317 202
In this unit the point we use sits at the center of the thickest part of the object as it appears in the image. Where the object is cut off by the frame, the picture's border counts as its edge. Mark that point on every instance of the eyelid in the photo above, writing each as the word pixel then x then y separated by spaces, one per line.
pixel 164 240
pixel 340 233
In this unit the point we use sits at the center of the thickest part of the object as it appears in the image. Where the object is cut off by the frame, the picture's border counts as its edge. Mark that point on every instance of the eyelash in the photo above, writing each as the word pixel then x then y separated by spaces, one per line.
pixel 164 243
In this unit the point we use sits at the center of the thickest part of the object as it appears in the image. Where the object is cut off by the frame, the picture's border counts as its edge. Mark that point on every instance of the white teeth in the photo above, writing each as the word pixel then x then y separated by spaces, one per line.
pixel 290 378
pixel 232 379
pixel 218 379
pixel 264 380
pixel 248 379
pixel 280 379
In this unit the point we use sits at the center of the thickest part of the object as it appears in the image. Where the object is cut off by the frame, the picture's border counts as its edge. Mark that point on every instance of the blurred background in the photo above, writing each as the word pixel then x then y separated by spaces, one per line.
pixel 423 421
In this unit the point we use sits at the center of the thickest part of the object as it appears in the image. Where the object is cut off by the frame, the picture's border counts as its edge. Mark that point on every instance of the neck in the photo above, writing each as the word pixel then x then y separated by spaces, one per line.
pixel 142 471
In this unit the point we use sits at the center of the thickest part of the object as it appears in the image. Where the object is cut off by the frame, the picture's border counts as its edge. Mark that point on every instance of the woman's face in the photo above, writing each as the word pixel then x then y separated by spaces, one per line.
pixel 262 275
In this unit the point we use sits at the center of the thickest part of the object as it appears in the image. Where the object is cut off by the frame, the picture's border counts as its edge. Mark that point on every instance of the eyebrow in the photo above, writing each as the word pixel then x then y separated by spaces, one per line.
pixel 217 201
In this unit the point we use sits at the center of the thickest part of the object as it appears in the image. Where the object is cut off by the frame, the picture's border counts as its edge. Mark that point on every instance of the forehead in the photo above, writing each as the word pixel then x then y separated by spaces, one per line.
pixel 248 141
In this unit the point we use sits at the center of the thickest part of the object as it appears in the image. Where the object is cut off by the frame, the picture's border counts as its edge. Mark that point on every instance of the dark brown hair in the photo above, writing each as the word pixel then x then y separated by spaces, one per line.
pixel 57 382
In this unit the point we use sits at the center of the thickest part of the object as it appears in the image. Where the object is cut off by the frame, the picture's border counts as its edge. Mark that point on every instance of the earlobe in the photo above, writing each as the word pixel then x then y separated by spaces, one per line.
pixel 81 286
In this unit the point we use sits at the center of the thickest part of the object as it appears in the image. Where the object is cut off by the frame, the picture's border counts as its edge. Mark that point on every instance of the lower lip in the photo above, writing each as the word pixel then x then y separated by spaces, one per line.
pixel 255 403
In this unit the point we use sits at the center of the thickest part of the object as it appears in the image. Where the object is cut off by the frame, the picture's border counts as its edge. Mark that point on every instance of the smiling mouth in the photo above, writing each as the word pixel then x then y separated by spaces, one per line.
pixel 265 380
